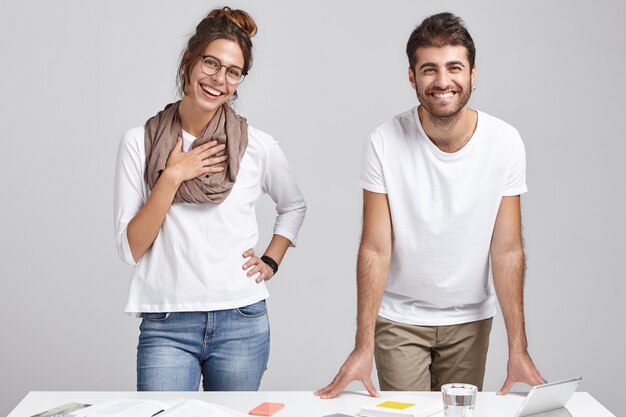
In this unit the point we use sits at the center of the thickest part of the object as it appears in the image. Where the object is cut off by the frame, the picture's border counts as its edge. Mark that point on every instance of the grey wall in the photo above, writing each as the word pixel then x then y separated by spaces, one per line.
pixel 75 75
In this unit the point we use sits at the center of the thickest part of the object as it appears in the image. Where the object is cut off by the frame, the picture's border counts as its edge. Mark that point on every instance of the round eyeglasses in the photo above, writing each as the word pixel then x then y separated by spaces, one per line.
pixel 211 66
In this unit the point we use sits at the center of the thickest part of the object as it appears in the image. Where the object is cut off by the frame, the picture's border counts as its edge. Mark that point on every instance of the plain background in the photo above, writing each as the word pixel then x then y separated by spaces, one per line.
pixel 75 75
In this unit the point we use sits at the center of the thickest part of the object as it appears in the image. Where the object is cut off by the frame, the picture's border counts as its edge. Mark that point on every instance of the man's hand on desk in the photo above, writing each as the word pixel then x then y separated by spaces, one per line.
pixel 358 366
pixel 520 368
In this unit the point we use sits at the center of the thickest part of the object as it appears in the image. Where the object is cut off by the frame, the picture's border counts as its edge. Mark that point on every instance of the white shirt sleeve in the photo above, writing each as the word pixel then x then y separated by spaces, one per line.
pixel 280 185
pixel 516 170
pixel 372 176
pixel 129 190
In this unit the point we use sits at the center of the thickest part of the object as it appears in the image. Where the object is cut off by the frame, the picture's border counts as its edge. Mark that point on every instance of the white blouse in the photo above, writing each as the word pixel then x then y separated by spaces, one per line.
pixel 195 262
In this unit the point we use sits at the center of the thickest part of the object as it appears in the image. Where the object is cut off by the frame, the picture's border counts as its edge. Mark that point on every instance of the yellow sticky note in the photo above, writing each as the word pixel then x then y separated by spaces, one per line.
pixel 395 405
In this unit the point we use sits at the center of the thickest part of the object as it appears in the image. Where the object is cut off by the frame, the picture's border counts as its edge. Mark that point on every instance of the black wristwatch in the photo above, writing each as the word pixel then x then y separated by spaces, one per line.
pixel 270 262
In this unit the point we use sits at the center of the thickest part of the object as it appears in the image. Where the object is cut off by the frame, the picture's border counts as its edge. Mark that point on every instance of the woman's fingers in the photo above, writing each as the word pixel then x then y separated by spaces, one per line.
pixel 209 149
pixel 213 161
pixel 198 161
pixel 211 170
pixel 266 273
pixel 256 268
pixel 260 268
pixel 255 265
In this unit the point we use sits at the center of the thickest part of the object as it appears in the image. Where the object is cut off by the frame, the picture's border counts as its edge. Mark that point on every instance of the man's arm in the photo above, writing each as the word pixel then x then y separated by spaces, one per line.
pixel 508 266
pixel 372 270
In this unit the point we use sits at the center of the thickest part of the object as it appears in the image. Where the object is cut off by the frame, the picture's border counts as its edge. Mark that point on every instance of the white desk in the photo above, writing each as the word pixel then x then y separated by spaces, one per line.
pixel 297 403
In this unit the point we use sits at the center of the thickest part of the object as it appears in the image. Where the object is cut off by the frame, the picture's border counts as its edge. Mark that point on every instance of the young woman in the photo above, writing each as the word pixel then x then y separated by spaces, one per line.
pixel 186 187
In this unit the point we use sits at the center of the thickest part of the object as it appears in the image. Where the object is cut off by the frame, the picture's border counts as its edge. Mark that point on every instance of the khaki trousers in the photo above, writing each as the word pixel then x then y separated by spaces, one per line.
pixel 423 358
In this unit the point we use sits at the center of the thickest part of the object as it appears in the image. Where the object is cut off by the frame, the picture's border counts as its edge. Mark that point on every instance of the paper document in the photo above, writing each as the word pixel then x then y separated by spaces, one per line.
pixel 147 408
pixel 62 410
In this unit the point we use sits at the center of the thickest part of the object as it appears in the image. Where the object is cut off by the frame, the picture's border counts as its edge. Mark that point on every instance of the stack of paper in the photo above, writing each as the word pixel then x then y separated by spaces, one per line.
pixel 147 408
pixel 404 406
pixel 62 410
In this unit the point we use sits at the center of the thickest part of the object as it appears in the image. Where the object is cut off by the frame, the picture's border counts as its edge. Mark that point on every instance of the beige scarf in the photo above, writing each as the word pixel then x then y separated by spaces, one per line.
pixel 225 127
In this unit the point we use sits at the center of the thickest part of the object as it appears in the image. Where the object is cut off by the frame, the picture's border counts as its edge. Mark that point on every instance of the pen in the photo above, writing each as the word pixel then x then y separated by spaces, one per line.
pixel 158 412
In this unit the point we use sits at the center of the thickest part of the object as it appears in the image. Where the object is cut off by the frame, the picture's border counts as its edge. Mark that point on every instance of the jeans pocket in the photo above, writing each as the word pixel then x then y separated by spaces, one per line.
pixel 253 310
pixel 155 316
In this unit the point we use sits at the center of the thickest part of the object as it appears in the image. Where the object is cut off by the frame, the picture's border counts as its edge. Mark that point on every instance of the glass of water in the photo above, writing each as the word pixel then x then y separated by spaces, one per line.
pixel 459 400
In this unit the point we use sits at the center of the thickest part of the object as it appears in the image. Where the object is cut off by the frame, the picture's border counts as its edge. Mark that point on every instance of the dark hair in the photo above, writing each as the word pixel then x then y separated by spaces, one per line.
pixel 224 23
pixel 441 29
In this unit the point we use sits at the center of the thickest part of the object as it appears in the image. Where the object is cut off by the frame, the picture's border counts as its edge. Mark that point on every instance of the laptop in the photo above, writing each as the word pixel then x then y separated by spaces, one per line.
pixel 547 397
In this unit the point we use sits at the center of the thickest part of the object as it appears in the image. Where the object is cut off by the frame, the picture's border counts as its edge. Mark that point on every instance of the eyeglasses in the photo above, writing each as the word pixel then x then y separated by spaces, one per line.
pixel 211 66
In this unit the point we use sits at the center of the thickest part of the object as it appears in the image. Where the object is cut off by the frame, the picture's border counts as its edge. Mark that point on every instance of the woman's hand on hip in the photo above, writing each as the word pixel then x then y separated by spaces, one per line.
pixel 254 265
pixel 199 161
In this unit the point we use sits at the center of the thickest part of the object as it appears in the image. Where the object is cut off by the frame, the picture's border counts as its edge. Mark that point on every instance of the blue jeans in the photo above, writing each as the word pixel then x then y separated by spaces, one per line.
pixel 228 348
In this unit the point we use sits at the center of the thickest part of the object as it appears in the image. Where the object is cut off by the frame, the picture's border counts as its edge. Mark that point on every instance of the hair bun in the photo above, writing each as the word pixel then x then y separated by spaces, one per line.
pixel 238 17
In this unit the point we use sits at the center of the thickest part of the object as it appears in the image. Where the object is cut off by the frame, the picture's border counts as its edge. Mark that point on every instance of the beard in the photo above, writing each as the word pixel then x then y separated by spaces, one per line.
pixel 445 116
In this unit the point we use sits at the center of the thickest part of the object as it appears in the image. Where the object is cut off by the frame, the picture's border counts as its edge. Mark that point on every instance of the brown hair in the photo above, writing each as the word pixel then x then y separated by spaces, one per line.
pixel 224 23
pixel 439 30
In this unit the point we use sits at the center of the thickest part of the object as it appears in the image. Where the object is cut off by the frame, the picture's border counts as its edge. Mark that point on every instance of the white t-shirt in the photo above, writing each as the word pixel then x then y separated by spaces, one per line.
pixel 443 210
pixel 195 262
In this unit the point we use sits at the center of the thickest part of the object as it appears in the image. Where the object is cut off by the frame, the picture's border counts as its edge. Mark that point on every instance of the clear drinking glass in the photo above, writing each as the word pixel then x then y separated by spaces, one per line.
pixel 459 399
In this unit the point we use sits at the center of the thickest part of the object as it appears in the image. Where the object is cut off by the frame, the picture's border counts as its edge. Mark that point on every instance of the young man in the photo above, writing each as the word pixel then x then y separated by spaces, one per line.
pixel 441 202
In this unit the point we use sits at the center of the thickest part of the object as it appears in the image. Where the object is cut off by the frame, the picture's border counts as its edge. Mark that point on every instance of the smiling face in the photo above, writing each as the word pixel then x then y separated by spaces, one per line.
pixel 443 79
pixel 205 93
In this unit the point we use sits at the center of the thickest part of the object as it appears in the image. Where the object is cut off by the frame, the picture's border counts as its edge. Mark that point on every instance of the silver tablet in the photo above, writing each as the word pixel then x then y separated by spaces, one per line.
pixel 546 397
